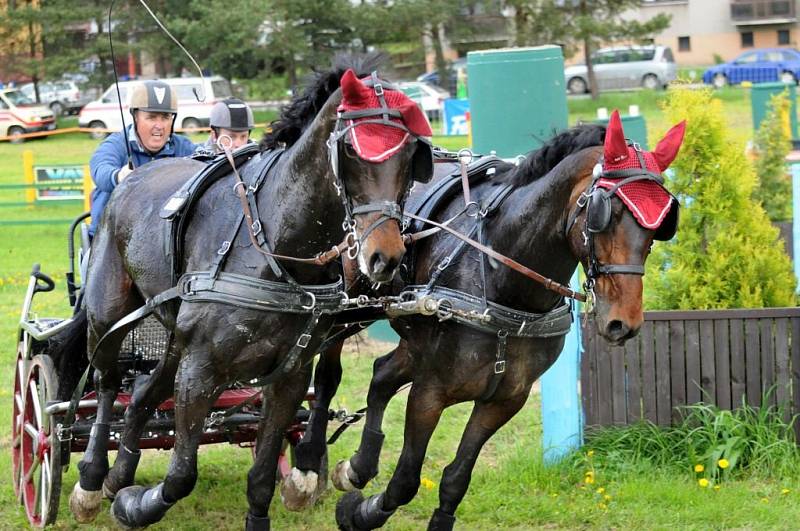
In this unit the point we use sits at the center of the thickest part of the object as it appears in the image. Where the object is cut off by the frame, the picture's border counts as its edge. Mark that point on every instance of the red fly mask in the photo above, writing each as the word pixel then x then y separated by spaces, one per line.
pixel 634 176
pixel 377 120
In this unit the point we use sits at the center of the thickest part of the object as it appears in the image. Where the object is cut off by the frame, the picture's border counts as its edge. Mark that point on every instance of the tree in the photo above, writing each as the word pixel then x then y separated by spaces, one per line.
pixel 585 24
pixel 772 144
pixel 726 253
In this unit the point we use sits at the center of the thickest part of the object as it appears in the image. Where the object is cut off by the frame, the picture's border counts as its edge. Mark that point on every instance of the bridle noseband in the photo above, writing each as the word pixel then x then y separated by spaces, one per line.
pixel 597 203
pixel 379 116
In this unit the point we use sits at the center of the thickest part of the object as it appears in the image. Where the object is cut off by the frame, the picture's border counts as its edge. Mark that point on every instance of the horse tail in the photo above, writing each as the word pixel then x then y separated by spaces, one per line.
pixel 67 349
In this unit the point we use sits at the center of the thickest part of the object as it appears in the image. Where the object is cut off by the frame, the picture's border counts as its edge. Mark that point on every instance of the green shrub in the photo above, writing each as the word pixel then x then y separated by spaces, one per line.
pixel 726 254
pixel 772 144
pixel 274 87
pixel 754 442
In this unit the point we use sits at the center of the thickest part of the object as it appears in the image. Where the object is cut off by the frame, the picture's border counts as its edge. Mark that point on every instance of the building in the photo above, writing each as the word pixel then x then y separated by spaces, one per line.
pixel 703 32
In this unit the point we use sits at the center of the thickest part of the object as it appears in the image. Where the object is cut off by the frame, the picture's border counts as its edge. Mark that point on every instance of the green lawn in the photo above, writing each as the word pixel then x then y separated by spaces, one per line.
pixel 511 489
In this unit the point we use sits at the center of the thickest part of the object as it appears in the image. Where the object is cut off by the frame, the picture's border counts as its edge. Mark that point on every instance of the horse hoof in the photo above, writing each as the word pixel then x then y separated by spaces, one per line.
pixel 85 504
pixel 346 508
pixel 107 492
pixel 342 475
pixel 137 507
pixel 301 489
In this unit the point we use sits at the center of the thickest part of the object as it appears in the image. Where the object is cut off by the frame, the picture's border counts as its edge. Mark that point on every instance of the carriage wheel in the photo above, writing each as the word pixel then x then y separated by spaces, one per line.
pixel 16 422
pixel 41 453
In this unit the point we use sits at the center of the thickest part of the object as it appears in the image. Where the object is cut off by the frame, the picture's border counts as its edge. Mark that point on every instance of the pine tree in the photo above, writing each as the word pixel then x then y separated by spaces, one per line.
pixel 772 144
pixel 726 253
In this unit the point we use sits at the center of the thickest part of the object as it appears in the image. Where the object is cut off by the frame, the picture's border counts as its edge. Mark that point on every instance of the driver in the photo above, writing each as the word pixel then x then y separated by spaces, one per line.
pixel 154 105
pixel 231 122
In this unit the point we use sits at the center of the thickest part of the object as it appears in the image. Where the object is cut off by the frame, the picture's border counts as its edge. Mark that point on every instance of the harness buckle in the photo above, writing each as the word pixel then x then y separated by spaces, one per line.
pixel 500 367
pixel 63 433
pixel 313 304
pixel 378 89
pixel 224 248
pixel 473 209
pixel 444 263
pixel 582 200
pixel 256 227
pixel 216 418
pixel 303 340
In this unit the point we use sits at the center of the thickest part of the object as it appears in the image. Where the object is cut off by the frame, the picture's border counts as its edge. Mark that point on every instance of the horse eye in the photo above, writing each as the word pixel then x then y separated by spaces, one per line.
pixel 349 150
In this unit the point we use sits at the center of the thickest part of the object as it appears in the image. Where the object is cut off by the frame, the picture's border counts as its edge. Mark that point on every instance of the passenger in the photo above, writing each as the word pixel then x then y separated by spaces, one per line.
pixel 231 122
pixel 154 105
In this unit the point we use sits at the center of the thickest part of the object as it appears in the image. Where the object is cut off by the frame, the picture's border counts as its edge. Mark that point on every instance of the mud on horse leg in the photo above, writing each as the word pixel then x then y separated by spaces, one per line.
pixel 390 372
pixel 279 405
pixel 196 389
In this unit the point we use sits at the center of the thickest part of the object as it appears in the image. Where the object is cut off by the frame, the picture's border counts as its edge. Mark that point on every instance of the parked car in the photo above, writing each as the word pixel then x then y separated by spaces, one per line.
pixel 651 67
pixel 757 66
pixel 453 69
pixel 104 112
pixel 20 115
pixel 61 96
pixel 429 97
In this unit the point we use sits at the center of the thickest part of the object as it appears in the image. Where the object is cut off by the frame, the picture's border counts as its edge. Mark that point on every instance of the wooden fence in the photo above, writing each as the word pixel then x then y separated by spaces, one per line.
pixel 684 357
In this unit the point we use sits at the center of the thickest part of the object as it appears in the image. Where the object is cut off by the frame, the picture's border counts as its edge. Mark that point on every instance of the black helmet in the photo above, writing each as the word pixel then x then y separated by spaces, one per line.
pixel 232 114
pixel 154 96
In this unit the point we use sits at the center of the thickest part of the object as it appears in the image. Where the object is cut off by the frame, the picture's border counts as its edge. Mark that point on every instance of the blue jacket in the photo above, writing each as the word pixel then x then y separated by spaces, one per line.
pixel 111 155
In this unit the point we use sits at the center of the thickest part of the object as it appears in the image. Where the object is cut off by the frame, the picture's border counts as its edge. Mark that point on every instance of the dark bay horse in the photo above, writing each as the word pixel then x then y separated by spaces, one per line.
pixel 213 344
pixel 562 211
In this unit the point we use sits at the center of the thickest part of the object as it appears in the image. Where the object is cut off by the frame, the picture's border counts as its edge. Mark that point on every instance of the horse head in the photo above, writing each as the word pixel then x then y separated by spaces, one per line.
pixel 621 207
pixel 378 147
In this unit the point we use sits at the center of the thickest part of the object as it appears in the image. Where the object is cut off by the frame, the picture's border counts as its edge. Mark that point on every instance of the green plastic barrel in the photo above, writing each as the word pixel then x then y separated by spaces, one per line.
pixel 635 128
pixel 517 98
pixel 760 96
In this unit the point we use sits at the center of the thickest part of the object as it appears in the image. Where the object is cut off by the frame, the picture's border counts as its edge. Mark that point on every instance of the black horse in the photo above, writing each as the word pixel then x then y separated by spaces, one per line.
pixel 227 336
pixel 562 209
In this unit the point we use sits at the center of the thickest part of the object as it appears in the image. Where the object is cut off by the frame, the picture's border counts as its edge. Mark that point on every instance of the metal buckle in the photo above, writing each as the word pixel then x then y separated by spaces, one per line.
pixel 216 418
pixel 500 367
pixel 303 340
pixel 226 245
pixel 378 89
pixel 473 209
pixel 313 304
pixel 582 200
pixel 63 434
pixel 444 263
pixel 256 227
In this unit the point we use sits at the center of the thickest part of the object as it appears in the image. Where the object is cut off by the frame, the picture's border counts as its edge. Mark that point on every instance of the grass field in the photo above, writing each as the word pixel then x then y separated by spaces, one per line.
pixel 511 489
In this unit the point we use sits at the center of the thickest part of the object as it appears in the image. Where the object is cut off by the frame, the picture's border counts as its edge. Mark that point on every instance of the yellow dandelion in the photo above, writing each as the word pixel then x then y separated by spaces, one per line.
pixel 723 463
pixel 600 490
pixel 699 468
pixel 764 500
pixel 716 487
pixel 427 483
pixel 589 479
pixel 607 497
pixel 785 491
pixel 554 495
pixel 602 506
pixel 703 482
pixel 590 453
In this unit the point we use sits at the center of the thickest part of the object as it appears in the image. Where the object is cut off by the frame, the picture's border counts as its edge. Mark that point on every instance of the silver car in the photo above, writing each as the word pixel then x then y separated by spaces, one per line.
pixel 651 67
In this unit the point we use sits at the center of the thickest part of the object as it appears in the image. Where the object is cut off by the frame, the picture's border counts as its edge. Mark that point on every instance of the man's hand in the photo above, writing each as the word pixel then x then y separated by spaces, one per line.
pixel 123 172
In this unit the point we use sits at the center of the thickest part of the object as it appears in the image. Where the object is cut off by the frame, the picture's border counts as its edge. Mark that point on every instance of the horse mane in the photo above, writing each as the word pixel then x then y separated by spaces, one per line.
pixel 301 111
pixel 538 163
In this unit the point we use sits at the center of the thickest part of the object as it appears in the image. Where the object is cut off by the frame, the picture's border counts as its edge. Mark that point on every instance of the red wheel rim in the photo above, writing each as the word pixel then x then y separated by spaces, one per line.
pixel 16 424
pixel 40 454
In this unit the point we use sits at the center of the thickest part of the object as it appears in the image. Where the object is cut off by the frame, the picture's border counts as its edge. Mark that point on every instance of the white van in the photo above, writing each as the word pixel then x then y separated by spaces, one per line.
pixel 19 115
pixel 104 113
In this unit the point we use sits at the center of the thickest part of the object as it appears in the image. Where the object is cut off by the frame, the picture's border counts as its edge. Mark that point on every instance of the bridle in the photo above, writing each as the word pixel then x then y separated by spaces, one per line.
pixel 388 209
pixel 597 203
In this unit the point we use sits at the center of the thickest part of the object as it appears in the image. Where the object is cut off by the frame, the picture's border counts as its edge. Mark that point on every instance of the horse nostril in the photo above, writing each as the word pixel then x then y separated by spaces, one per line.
pixel 617 330
pixel 379 263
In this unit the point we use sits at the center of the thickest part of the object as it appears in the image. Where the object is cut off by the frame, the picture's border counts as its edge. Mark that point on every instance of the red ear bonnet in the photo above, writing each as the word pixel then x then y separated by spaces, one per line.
pixel 615 149
pixel 352 88
pixel 667 149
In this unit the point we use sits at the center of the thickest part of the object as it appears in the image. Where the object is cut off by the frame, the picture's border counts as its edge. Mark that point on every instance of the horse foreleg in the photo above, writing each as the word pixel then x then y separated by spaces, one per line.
pixel 486 419
pixel 196 390
pixel 425 406
pixel 309 476
pixel 147 395
pixel 279 407
pixel 389 373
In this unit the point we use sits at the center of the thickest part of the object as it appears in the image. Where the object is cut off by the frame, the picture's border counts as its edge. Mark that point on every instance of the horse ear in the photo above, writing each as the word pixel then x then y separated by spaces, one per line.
pixel 615 148
pixel 667 149
pixel 352 88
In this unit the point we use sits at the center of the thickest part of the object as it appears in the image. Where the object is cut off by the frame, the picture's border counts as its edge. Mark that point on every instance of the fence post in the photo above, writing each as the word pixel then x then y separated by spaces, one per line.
pixel 562 417
pixel 88 186
pixel 27 169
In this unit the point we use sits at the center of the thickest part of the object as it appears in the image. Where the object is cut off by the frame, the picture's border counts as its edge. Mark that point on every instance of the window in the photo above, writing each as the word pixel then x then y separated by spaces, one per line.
pixel 747 39
pixel 186 92
pixel 746 58
pixel 684 44
pixel 783 37
pixel 111 95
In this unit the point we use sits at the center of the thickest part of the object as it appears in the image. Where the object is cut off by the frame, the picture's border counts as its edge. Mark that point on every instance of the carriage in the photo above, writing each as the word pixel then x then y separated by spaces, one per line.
pixel 41 439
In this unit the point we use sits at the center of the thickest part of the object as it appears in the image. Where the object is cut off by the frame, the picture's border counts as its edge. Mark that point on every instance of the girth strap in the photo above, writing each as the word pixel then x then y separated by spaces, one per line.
pixel 499 366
